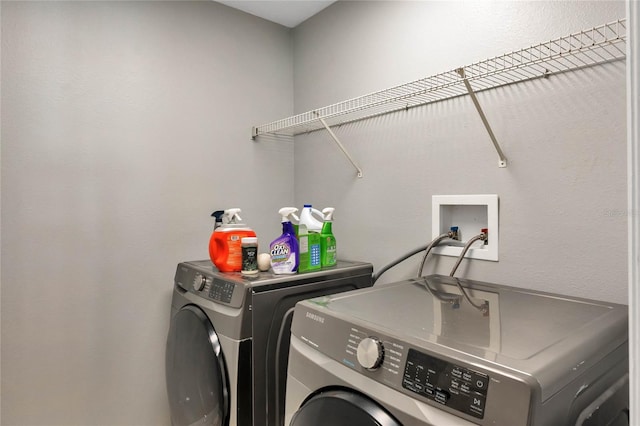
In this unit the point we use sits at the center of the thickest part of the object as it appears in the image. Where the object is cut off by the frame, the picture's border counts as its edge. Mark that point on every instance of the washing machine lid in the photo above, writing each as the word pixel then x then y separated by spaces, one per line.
pixel 197 383
pixel 342 407
pixel 433 309
pixel 550 337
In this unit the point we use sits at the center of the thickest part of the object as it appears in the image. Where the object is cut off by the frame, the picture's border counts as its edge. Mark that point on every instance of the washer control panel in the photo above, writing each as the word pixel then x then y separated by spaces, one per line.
pixel 221 290
pixel 446 383
pixel 401 366
pixel 210 286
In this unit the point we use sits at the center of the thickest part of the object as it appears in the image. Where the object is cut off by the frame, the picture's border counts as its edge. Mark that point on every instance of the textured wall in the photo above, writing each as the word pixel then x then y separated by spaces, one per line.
pixel 563 206
pixel 124 125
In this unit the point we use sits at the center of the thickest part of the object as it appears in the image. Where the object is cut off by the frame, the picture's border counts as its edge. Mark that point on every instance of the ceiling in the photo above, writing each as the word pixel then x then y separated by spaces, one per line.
pixel 289 13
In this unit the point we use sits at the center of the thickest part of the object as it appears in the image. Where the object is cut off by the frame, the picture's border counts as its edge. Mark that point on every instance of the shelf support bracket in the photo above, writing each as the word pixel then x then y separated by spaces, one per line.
pixel 342 148
pixel 502 162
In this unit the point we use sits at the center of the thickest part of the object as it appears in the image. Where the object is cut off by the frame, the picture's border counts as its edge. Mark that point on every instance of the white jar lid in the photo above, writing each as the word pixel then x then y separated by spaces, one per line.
pixel 249 240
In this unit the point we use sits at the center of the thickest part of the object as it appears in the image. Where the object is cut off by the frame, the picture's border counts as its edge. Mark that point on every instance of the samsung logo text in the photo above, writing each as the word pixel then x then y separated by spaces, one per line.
pixel 315 317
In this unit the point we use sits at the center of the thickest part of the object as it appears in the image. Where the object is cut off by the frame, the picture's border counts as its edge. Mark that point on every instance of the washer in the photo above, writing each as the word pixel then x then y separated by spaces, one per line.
pixel 228 342
pixel 429 352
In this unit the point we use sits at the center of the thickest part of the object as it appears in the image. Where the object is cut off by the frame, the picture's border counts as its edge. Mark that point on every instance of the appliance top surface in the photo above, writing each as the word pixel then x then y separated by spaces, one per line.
pixel 264 281
pixel 520 323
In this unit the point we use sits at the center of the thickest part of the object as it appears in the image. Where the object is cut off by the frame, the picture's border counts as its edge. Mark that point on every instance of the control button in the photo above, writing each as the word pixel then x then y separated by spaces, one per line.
pixel 442 396
pixel 477 402
pixel 370 353
pixel 457 373
pixel 465 388
pixel 467 376
pixel 480 381
pixel 408 384
pixel 199 281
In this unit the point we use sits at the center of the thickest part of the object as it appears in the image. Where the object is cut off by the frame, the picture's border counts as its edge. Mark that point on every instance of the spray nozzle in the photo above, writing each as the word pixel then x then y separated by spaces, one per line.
pixel 218 214
pixel 232 215
pixel 328 213
pixel 285 212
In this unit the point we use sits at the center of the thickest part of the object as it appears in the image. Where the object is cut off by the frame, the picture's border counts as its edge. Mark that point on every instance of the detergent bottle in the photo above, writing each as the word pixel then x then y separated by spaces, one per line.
pixel 307 219
pixel 225 244
pixel 328 247
pixel 309 248
pixel 284 249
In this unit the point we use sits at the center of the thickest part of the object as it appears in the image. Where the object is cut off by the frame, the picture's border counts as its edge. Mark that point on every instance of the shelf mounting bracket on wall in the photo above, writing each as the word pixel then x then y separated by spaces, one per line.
pixel 342 148
pixel 502 162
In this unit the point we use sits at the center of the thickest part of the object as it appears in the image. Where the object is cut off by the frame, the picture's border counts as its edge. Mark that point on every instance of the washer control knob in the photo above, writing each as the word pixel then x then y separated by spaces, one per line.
pixel 370 353
pixel 199 281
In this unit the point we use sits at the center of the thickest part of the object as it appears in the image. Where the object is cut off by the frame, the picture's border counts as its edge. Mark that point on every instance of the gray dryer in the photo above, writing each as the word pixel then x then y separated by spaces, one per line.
pixel 228 342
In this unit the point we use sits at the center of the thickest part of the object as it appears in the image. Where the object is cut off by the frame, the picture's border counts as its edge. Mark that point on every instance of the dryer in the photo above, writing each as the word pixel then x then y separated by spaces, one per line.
pixel 446 351
pixel 228 341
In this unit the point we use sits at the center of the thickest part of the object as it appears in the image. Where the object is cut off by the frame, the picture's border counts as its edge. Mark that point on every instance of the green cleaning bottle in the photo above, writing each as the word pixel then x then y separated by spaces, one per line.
pixel 328 249
pixel 309 247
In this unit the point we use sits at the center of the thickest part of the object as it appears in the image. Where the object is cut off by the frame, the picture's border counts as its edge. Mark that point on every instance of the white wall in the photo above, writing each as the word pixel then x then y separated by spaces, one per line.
pixel 124 125
pixel 563 203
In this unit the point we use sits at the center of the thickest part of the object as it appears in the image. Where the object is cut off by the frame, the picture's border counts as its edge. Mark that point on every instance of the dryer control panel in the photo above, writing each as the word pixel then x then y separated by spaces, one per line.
pixel 210 285
pixel 221 290
pixel 446 383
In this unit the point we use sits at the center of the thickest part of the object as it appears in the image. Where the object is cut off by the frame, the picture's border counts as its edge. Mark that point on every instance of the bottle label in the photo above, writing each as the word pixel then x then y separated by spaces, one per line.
pixel 280 252
pixel 314 255
pixel 250 259
pixel 330 252
pixel 283 260
pixel 234 260
pixel 303 244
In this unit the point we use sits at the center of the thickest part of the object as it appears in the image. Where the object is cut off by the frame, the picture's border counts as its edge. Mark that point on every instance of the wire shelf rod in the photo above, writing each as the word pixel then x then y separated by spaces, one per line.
pixel 600 44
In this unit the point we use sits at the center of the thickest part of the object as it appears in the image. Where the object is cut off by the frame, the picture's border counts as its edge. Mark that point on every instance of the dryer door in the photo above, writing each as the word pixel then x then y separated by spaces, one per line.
pixel 342 407
pixel 195 371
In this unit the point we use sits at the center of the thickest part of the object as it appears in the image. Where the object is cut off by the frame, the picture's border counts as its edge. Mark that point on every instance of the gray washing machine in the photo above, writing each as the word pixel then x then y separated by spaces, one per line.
pixel 228 342
pixel 431 352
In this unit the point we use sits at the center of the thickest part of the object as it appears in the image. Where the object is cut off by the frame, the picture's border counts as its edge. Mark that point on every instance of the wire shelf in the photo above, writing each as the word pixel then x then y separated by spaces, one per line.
pixel 587 48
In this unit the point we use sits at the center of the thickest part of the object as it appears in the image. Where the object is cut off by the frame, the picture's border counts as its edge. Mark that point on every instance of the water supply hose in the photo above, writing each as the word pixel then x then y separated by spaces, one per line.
pixel 431 245
pixel 481 236
pixel 404 257
pixel 385 268
pixel 484 308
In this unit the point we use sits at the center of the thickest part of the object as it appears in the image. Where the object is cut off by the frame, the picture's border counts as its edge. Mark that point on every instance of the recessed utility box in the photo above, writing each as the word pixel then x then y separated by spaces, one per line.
pixel 471 214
